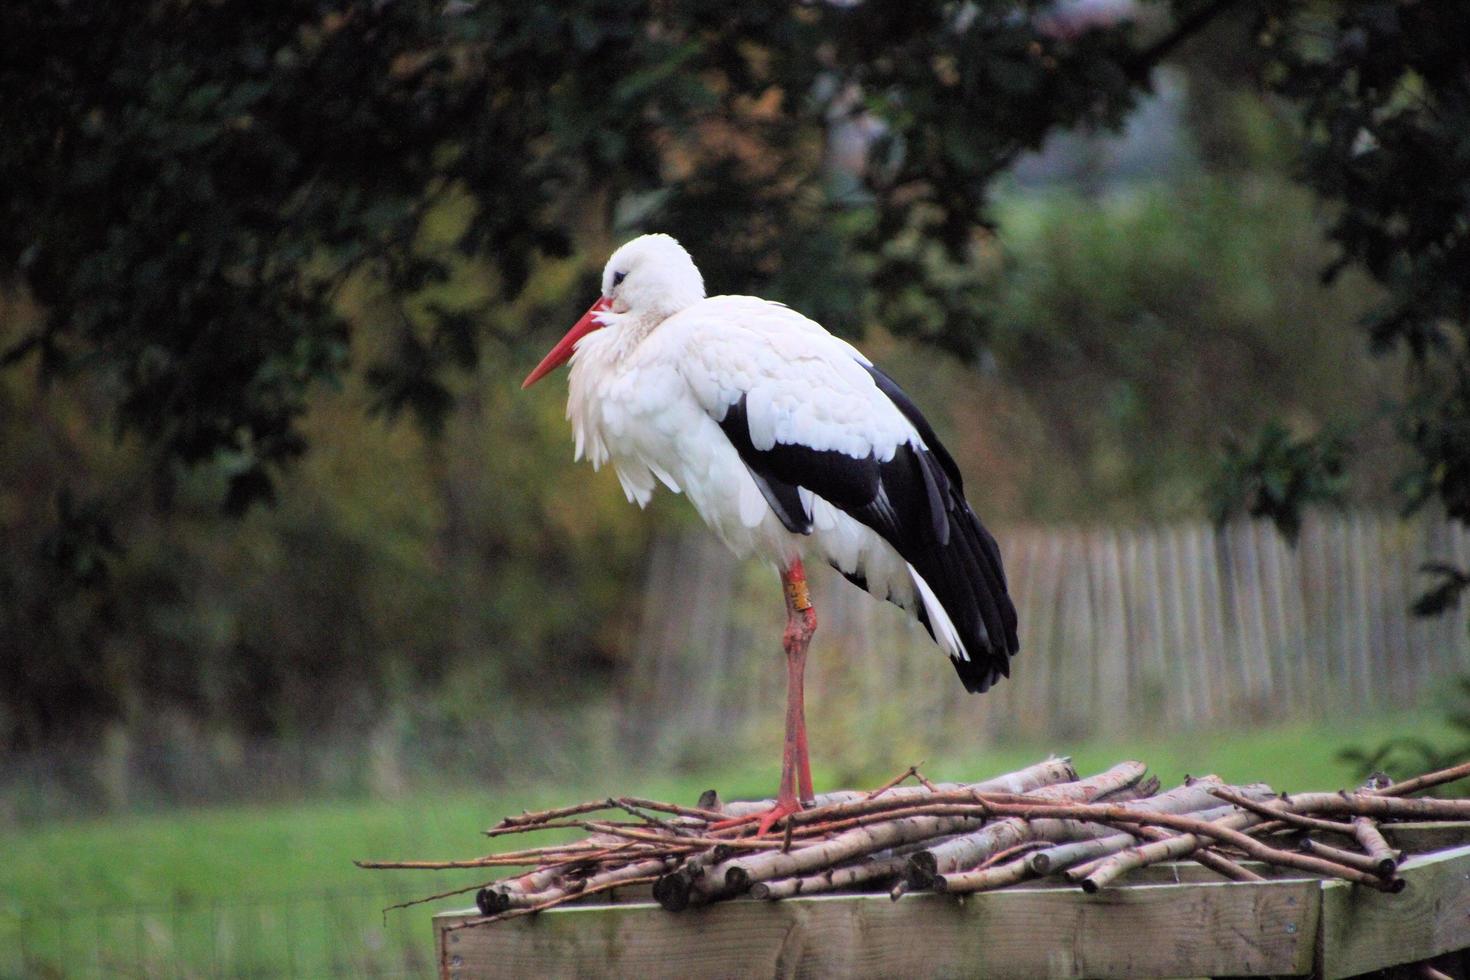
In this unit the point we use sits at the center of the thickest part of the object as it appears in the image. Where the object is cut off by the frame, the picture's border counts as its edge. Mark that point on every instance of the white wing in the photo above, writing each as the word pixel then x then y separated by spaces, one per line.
pixel 801 385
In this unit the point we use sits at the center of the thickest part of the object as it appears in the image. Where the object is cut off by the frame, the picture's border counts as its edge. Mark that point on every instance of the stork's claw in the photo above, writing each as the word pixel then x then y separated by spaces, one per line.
pixel 732 822
pixel 783 808
pixel 767 819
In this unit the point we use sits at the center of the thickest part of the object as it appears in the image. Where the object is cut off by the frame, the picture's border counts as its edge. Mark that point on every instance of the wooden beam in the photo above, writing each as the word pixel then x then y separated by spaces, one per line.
pixel 1143 930
pixel 1429 835
pixel 1363 930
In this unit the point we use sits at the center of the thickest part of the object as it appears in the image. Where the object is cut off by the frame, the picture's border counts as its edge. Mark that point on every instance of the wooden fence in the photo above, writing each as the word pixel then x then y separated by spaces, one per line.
pixel 1162 628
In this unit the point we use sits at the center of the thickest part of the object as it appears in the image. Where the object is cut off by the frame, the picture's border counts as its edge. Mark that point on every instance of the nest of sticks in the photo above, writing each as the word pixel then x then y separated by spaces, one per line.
pixel 914 835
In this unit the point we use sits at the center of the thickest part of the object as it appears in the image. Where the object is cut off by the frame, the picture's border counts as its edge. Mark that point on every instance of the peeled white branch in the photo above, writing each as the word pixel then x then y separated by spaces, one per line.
pixel 968 850
pixel 1021 781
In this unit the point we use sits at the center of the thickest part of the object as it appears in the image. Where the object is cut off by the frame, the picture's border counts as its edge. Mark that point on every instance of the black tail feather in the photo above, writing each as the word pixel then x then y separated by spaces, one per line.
pixel 970 584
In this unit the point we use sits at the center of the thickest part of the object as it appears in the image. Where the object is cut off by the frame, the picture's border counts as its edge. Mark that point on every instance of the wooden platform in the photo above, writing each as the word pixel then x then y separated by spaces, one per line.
pixel 1166 921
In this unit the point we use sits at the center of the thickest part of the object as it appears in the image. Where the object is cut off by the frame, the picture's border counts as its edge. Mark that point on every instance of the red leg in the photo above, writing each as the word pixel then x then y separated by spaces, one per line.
pixel 796 769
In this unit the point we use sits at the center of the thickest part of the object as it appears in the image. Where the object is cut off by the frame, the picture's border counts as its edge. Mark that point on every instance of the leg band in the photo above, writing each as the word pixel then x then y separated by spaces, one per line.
pixel 798 594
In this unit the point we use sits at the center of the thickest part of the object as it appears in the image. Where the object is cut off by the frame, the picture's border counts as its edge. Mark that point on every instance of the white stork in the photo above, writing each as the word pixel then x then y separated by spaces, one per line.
pixel 788 441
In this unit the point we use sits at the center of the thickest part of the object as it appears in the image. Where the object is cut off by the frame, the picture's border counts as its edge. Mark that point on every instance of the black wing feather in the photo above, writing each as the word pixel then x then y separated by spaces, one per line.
pixel 916 502
pixel 840 479
pixel 910 411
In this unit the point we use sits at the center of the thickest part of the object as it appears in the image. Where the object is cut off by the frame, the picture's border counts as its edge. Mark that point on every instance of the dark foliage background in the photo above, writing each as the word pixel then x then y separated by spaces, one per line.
pixel 239 242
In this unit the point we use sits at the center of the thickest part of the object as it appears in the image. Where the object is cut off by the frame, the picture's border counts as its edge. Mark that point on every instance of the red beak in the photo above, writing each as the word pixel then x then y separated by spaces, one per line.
pixel 559 354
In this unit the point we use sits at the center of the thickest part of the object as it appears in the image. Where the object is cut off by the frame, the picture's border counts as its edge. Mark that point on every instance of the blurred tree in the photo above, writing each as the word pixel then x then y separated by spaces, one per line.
pixel 1383 91
pixel 1279 476
pixel 1135 325
pixel 190 191
pixel 188 186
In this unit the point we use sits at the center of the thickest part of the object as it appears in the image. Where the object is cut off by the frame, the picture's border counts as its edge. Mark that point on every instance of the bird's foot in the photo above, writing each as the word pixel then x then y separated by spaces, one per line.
pixel 764 820
pixel 782 809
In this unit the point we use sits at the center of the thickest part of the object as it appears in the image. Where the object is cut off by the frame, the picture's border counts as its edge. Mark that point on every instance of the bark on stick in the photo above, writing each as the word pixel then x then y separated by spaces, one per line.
pixel 1353 859
pixel 1427 780
pixel 968 850
pixel 1206 857
pixel 1021 781
pixel 872 869
pixel 1377 805
pixel 1098 874
pixel 1267 809
pixel 1195 798
pixel 1371 840
pixel 986 879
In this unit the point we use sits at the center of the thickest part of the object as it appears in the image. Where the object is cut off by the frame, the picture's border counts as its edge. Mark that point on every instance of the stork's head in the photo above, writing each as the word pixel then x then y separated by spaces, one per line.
pixel 646 281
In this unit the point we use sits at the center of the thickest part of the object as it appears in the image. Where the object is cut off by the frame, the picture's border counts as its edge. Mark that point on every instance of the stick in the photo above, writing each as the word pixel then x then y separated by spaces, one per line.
pixel 844 816
pixel 910 771
pixel 1222 865
pixel 1372 841
pixel 696 864
pixel 501 895
pixel 1098 874
pixel 1063 856
pixel 1378 805
pixel 431 898
pixel 1140 790
pixel 1195 829
pixel 830 880
pixel 984 879
pixel 1119 776
pixel 872 867
pixel 1021 781
pixel 536 817
pixel 531 828
pixel 633 833
pixel 962 837
pixel 730 877
pixel 827 819
pixel 1000 857
pixel 1427 780
pixel 1383 869
pixel 968 850
pixel 513 859
pixel 675 889
pixel 551 903
pixel 1208 858
pixel 1068 856
pixel 1285 816
pixel 521 890
pixel 901 827
pixel 1357 804
pixel 674 808
pixel 1193 798
pixel 652 821
pixel 638 871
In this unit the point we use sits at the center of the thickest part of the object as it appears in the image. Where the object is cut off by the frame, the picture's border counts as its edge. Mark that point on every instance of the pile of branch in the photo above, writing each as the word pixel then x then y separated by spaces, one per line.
pixel 950 837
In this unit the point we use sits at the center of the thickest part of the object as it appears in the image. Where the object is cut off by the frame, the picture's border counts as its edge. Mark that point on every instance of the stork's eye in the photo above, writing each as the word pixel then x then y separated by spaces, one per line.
pixel 618 278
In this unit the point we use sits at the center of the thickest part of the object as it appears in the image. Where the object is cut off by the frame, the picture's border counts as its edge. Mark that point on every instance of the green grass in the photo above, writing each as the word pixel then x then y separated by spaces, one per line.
pixel 273 888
